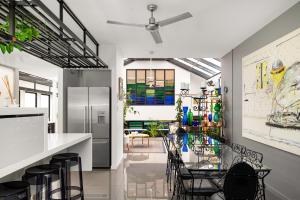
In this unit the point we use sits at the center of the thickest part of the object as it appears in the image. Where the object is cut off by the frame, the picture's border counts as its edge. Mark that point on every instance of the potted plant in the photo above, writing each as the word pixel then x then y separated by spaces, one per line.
pixel 180 131
pixel 153 129
pixel 24 32
pixel 179 111
pixel 127 108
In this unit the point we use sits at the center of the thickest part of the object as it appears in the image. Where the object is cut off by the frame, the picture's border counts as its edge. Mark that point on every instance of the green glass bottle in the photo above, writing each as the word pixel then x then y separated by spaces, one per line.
pixel 190 117
pixel 190 140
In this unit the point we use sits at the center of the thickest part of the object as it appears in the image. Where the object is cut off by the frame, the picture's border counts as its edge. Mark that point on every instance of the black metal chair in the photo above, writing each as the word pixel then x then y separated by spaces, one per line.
pixel 171 162
pixel 42 177
pixel 15 190
pixel 241 183
pixel 255 159
pixel 194 183
pixel 65 161
pixel 238 148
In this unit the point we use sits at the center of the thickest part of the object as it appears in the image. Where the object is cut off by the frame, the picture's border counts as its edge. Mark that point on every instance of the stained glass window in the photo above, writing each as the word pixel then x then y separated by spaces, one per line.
pixel 151 87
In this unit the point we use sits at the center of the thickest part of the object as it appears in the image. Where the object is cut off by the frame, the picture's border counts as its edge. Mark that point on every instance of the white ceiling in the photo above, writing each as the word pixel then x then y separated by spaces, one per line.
pixel 217 26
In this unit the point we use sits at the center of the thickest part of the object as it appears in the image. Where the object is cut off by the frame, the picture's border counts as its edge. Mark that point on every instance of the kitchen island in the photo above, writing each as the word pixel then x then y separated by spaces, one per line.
pixel 69 142
pixel 26 142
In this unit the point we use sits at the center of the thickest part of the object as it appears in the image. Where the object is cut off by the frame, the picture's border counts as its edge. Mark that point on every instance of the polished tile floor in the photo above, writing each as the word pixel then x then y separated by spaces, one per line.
pixel 140 176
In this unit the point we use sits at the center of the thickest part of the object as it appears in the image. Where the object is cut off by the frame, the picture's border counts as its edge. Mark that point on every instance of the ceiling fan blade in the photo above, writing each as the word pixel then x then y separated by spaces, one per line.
pixel 125 24
pixel 156 37
pixel 175 19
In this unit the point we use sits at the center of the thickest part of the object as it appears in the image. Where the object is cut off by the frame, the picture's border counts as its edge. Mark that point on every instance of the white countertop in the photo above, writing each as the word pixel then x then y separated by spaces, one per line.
pixel 22 111
pixel 56 143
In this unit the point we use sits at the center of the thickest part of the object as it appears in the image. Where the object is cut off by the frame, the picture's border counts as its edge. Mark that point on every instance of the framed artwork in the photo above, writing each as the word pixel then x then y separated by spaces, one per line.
pixel 271 94
pixel 121 94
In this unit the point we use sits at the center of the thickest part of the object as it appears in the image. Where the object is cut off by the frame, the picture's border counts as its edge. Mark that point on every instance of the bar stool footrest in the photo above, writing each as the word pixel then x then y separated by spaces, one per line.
pixel 70 188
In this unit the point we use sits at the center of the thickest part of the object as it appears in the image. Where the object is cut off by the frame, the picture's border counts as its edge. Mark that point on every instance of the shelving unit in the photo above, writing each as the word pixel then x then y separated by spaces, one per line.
pixel 210 113
pixel 209 108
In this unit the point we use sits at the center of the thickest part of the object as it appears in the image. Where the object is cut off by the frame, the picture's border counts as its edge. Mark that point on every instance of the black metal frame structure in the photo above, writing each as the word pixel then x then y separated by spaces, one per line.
pixel 57 43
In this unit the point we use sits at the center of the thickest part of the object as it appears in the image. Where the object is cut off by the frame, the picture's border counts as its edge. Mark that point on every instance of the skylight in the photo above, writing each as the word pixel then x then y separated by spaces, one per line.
pixel 204 65
pixel 192 66
pixel 214 61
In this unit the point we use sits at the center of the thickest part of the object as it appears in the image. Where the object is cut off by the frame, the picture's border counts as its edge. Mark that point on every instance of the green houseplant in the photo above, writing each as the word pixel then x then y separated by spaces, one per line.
pixel 24 32
pixel 179 111
pixel 127 108
pixel 153 129
pixel 180 131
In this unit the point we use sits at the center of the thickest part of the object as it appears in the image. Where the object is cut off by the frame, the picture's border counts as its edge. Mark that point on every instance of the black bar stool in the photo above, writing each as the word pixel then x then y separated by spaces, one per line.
pixel 66 161
pixel 43 177
pixel 15 190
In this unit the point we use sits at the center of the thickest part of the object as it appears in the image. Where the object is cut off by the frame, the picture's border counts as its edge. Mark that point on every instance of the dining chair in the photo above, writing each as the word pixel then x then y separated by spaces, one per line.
pixel 255 159
pixel 238 148
pixel 241 182
pixel 170 161
pixel 194 183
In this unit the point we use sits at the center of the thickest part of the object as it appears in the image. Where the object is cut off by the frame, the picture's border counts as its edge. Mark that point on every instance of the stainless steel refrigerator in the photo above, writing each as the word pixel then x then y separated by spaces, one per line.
pixel 89 112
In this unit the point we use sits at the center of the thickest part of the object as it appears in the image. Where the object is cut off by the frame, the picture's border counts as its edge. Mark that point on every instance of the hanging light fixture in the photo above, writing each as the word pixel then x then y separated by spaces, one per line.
pixel 184 89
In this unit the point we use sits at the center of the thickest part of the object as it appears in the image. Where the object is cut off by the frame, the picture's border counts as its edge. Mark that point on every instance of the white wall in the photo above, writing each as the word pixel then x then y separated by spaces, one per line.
pixel 11 74
pixel 30 64
pixel 163 112
pixel 195 82
pixel 114 60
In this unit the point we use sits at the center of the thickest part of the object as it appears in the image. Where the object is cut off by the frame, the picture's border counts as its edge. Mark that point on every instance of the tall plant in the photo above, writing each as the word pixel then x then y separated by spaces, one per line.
pixel 179 111
pixel 127 108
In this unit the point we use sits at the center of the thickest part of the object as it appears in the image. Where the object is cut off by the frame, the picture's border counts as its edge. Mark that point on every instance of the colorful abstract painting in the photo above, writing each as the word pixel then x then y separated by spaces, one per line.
pixel 271 94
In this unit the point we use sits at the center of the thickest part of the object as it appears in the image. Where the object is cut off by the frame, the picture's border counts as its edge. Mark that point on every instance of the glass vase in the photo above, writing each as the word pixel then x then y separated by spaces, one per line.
pixel 190 117
pixel 185 115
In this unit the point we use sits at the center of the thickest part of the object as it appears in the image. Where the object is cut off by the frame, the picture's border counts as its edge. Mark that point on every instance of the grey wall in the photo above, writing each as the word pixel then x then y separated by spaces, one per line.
pixel 82 78
pixel 226 72
pixel 284 180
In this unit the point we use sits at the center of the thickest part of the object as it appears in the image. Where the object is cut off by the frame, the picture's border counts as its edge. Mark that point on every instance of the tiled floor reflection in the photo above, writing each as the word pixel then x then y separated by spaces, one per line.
pixel 140 176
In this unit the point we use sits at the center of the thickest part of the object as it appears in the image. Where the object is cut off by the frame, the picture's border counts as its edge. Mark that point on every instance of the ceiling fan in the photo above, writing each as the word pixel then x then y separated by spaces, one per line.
pixel 153 26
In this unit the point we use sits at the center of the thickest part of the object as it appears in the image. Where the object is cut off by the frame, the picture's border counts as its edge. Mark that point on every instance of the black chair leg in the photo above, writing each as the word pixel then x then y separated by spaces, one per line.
pixel 68 180
pixel 28 193
pixel 80 178
pixel 39 187
pixel 170 184
pixel 175 182
pixel 48 186
pixel 62 183
pixel 263 189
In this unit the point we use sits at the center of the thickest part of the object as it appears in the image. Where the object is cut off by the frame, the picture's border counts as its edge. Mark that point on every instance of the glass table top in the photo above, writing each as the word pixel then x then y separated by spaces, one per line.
pixel 209 154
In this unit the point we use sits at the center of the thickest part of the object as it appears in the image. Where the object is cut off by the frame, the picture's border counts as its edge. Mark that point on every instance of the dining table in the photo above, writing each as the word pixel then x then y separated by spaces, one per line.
pixel 205 154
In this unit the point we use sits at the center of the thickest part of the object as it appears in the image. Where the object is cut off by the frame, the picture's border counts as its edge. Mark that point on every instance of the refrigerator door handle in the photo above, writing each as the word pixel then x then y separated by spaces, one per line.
pixel 84 120
pixel 90 121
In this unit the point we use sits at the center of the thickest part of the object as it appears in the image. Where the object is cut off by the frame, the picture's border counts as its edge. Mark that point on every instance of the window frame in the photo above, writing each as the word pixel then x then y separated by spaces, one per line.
pixel 36 80
pixel 154 81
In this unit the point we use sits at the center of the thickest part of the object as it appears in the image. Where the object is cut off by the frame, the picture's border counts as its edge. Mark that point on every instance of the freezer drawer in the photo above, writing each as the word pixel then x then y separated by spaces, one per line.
pixel 101 153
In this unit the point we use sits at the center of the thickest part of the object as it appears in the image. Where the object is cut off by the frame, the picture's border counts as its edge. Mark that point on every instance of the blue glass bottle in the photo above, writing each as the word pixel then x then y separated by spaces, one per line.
pixel 185 142
pixel 185 115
